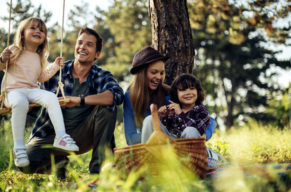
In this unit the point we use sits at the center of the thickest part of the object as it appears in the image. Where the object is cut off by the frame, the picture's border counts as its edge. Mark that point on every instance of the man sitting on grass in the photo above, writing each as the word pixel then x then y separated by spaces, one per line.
pixel 90 114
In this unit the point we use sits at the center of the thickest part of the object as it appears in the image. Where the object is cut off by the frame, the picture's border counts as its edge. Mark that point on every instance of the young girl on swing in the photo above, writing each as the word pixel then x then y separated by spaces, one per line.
pixel 26 67
pixel 185 116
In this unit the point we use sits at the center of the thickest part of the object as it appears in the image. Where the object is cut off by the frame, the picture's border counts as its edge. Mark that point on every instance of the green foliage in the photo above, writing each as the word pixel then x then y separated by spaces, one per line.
pixel 119 136
pixel 232 59
pixel 130 25
pixel 20 11
pixel 253 143
pixel 78 18
pixel 117 50
pixel 6 145
pixel 119 70
pixel 248 178
pixel 279 109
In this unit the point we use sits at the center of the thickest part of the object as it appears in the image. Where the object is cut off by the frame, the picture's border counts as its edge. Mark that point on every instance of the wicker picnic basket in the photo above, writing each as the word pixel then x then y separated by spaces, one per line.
pixel 191 149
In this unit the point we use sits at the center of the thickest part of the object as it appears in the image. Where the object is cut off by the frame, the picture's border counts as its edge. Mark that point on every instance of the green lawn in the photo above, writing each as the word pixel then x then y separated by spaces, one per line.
pixel 251 150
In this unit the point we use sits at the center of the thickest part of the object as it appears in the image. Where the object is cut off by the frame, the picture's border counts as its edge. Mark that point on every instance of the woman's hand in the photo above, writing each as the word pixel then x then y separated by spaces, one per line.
pixel 175 107
pixel 59 61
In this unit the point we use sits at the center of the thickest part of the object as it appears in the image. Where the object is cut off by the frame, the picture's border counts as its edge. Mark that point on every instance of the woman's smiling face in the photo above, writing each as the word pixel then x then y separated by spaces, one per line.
pixel 155 74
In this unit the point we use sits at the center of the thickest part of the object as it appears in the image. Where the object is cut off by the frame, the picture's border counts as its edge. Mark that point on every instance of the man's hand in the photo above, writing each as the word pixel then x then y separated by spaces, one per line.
pixel 73 101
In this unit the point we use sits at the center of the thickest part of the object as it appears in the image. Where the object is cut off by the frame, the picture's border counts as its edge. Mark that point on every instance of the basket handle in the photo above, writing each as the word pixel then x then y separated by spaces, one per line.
pixel 155 117
pixel 158 137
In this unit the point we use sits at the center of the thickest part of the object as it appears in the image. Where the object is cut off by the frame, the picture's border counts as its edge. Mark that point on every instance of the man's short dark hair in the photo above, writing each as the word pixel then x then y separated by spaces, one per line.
pixel 97 36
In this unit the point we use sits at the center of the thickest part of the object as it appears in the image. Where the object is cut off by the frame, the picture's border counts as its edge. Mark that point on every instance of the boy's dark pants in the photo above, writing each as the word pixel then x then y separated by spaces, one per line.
pixel 94 132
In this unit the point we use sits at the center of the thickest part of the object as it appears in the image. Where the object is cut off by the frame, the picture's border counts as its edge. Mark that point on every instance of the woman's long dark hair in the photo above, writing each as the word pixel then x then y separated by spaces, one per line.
pixel 141 96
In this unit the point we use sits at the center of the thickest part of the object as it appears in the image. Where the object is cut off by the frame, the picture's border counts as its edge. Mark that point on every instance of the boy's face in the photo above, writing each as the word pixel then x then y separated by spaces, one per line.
pixel 187 97
pixel 85 49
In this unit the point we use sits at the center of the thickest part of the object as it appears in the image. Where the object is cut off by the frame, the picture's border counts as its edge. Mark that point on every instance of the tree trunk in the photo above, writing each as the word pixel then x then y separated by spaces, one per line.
pixel 171 35
pixel 229 118
pixel 230 100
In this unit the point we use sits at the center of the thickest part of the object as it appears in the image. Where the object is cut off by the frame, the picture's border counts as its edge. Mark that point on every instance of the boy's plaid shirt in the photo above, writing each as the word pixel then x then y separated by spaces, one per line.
pixel 197 117
pixel 99 80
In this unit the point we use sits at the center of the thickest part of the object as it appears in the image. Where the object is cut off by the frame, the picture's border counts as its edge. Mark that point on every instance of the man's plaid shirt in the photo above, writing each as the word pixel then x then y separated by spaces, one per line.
pixel 99 80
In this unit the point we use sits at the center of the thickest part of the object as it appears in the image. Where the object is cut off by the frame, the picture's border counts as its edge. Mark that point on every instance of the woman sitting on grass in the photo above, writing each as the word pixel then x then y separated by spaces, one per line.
pixel 146 88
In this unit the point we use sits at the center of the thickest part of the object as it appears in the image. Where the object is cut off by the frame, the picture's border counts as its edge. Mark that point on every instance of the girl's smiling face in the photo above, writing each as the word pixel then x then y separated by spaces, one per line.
pixel 34 34
pixel 155 74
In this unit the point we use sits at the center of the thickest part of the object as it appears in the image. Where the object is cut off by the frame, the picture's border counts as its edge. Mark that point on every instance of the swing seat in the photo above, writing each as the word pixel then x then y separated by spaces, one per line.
pixel 5 110
pixel 191 152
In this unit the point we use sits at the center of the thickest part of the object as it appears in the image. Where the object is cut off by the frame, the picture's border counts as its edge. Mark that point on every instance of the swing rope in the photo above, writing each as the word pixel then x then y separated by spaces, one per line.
pixel 60 84
pixel 3 109
pixel 3 94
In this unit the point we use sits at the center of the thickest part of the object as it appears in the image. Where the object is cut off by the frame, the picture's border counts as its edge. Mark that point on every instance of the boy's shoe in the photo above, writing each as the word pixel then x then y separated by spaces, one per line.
pixel 215 160
pixel 66 143
pixel 20 157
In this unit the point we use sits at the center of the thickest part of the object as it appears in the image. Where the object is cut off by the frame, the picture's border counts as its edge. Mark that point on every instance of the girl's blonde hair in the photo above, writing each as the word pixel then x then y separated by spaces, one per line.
pixel 42 49
pixel 141 96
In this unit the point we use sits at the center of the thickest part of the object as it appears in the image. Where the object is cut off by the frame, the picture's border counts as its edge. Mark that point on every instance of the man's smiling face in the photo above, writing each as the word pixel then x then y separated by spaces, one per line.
pixel 85 49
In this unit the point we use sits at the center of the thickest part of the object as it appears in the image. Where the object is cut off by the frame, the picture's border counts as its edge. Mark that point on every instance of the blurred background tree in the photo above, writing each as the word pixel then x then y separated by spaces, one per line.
pixel 129 24
pixel 279 109
pixel 234 58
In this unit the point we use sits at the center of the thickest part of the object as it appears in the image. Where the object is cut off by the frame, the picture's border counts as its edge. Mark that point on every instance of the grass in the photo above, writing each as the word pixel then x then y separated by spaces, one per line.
pixel 253 143
pixel 244 147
